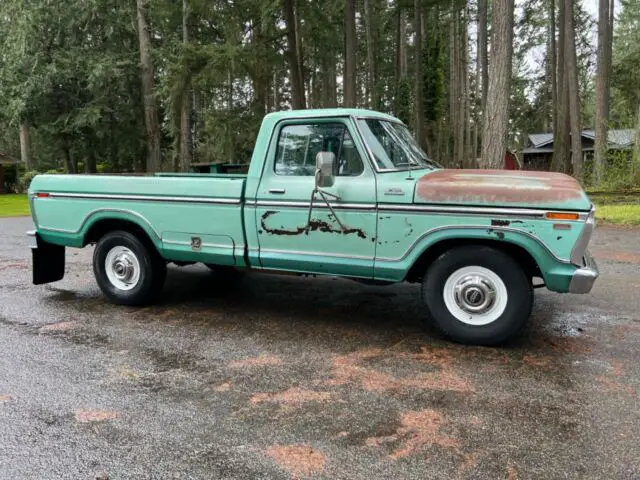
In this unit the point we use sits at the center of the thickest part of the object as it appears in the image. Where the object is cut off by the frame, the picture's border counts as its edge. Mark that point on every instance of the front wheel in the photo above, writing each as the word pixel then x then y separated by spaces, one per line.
pixel 477 295
pixel 127 271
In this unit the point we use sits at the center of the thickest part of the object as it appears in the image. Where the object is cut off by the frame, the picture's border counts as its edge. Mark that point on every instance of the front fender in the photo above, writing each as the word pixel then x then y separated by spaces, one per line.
pixel 396 269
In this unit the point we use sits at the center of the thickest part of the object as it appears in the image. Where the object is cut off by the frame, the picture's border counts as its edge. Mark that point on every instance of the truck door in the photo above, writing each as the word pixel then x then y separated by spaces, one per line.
pixel 287 241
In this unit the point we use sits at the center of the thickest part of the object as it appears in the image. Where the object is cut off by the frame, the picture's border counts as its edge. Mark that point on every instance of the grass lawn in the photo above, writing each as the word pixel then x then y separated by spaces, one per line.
pixel 621 214
pixel 13 205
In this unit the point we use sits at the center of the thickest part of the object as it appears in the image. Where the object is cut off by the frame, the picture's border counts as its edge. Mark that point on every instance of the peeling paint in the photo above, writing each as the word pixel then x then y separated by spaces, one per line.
pixel 500 223
pixel 315 225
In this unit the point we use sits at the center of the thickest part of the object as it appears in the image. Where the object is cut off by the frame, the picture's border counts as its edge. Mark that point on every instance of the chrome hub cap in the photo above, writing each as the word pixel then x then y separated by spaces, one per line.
pixel 475 295
pixel 122 268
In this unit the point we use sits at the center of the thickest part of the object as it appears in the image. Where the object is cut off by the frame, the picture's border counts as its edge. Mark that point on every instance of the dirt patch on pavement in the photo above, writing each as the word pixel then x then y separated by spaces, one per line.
pixel 298 460
pixel 59 327
pixel 88 416
pixel 353 368
pixel 418 431
pixel 260 361
pixel 291 397
pixel 620 256
pixel 5 398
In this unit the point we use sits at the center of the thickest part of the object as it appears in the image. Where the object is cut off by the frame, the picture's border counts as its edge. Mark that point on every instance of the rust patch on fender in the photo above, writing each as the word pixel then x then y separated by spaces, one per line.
pixel 492 186
pixel 419 430
pixel 260 361
pixel 291 397
pixel 315 225
pixel 87 416
pixel 298 460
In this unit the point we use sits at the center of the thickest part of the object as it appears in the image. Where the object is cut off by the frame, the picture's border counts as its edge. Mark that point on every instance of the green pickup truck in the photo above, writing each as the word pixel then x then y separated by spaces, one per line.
pixel 342 192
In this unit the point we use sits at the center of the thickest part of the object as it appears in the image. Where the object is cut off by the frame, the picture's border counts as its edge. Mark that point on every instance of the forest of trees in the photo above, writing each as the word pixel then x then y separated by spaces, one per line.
pixel 149 85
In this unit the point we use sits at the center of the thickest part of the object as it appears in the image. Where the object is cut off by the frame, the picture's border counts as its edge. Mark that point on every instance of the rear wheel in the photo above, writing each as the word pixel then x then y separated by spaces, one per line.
pixel 477 295
pixel 127 271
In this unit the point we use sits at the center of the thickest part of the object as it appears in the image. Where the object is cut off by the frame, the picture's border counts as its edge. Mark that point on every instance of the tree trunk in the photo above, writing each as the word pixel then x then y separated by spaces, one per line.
pixel 494 147
pixel 351 45
pixel 602 91
pixel 552 65
pixel 401 57
pixel 152 124
pixel 297 81
pixel 372 83
pixel 419 80
pixel 329 82
pixel 636 150
pixel 561 139
pixel 573 91
pixel 483 52
pixel 69 164
pixel 25 154
pixel 185 110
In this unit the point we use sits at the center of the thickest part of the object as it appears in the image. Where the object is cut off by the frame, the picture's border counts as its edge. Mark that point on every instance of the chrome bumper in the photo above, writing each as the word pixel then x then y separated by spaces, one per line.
pixel 584 278
pixel 33 239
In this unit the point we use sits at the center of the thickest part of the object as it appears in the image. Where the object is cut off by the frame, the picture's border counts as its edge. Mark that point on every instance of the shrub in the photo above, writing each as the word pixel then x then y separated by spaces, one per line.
pixel 25 181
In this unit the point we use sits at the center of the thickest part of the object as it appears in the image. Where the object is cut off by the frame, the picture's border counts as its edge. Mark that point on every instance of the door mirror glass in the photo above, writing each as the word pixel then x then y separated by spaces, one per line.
pixel 325 166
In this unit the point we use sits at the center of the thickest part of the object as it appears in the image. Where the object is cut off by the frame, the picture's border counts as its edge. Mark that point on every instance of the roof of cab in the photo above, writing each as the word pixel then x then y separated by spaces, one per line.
pixel 330 112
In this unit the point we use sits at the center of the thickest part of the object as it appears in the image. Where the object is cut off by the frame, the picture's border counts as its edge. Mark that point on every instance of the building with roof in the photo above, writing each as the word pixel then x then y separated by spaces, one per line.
pixel 539 151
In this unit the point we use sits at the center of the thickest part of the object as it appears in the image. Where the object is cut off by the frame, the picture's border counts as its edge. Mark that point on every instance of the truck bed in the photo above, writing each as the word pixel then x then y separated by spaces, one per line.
pixel 189 217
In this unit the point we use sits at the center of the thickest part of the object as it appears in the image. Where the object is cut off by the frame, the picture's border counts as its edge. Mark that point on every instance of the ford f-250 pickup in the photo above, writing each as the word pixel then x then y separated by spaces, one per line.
pixel 341 192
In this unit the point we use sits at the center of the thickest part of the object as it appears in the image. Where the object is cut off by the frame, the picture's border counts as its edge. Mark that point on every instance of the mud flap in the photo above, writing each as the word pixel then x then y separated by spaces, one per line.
pixel 48 261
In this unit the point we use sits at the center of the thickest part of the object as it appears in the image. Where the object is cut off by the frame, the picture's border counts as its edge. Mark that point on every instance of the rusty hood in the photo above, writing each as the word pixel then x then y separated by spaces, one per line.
pixel 501 188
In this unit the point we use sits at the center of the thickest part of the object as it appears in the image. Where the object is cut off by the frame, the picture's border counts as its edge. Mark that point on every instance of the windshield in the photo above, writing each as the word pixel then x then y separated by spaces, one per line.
pixel 393 146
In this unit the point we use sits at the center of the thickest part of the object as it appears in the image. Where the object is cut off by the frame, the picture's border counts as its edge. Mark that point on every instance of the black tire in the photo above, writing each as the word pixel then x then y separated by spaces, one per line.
pixel 519 295
pixel 152 269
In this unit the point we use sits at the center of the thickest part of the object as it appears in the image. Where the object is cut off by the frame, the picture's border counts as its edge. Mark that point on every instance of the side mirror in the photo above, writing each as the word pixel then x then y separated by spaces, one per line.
pixel 325 164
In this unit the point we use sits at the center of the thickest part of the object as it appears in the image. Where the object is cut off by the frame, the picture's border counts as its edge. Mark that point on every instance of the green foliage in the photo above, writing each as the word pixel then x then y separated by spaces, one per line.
pixel 25 180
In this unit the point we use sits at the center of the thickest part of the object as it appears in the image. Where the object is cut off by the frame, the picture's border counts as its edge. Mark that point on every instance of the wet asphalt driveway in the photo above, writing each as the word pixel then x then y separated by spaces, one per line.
pixel 287 377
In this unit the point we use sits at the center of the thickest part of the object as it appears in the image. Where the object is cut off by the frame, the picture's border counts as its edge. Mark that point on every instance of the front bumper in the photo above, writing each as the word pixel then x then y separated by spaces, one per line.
pixel 584 278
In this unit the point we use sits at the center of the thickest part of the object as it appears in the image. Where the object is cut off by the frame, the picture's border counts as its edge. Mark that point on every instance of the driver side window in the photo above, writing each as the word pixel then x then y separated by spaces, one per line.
pixel 298 146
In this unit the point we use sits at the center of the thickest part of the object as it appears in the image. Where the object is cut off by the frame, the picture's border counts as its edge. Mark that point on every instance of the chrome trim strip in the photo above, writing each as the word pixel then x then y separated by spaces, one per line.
pixel 488 211
pixel 93 212
pixel 317 204
pixel 580 248
pixel 471 227
pixel 146 198
pixel 207 245
pixel 313 254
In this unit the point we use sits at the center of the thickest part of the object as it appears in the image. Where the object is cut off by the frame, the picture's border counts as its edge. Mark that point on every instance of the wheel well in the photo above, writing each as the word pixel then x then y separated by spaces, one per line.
pixel 519 254
pixel 102 227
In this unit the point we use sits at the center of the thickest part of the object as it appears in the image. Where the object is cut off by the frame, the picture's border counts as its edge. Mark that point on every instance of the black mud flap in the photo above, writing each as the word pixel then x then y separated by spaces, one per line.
pixel 48 262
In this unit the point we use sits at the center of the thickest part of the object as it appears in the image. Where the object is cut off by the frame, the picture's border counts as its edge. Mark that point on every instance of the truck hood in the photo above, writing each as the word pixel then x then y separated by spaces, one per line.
pixel 504 188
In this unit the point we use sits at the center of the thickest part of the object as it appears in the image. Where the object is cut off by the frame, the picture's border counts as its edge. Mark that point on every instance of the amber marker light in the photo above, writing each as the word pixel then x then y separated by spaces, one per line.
pixel 562 216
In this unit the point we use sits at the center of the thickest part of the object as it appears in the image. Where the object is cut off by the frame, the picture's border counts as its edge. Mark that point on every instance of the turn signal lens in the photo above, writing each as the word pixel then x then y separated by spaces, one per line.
pixel 42 195
pixel 562 216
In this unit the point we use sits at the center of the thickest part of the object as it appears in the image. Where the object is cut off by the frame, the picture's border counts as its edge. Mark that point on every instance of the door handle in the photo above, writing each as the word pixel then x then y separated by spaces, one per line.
pixel 277 191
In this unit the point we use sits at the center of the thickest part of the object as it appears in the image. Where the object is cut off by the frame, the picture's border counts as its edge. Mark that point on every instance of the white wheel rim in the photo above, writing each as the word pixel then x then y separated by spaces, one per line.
pixel 475 296
pixel 122 268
